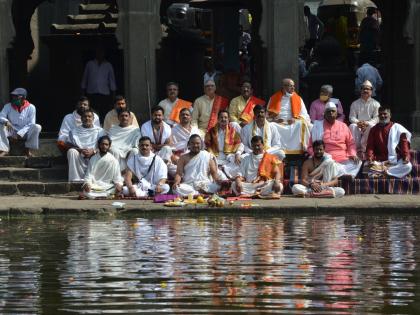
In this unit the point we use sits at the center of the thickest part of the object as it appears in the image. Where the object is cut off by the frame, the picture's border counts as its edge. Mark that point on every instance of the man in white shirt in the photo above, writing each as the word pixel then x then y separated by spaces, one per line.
pixel 111 117
pixel 82 141
pixel 172 105
pixel 363 116
pixel 103 176
pixel 72 121
pixel 149 169
pixel 98 82
pixel 287 110
pixel 17 121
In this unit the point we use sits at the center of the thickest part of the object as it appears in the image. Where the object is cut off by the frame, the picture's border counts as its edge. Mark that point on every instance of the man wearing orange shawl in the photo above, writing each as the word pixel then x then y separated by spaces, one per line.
pixel 241 107
pixel 207 107
pixel 172 105
pixel 287 110
pixel 261 173
pixel 224 142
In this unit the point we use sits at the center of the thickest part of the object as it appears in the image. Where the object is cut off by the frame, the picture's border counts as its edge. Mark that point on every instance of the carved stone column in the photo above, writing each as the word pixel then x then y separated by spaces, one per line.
pixel 7 33
pixel 139 33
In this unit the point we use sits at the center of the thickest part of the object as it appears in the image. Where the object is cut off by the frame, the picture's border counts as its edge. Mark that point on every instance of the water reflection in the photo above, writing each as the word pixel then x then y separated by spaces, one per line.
pixel 209 265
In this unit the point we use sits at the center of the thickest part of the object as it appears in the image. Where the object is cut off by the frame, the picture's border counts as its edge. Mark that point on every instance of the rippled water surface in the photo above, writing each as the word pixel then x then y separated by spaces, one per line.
pixel 210 265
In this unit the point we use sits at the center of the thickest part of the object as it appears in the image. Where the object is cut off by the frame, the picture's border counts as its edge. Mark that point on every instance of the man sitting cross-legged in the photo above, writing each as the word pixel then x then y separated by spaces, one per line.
pixel 261 173
pixel 224 141
pixel 124 138
pixel 319 175
pixel 150 170
pixel 196 171
pixel 103 175
pixel 261 127
pixel 388 147
pixel 82 142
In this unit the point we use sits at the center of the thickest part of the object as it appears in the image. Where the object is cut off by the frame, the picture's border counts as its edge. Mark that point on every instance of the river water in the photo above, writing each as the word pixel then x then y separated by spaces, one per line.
pixel 210 265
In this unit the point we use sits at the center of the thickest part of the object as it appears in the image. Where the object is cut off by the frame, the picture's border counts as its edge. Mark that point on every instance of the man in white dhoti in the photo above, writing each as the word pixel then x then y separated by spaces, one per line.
pixel 111 117
pixel 319 175
pixel 261 127
pixel 124 138
pixel 388 147
pixel 82 142
pixel 72 121
pixel 363 116
pixel 287 110
pixel 17 121
pixel 224 142
pixel 160 134
pixel 103 176
pixel 150 170
pixel 260 174
pixel 172 105
pixel 196 171
pixel 339 143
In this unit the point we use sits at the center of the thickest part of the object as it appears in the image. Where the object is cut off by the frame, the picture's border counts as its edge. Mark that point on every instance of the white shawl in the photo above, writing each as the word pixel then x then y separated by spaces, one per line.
pixel 198 168
pixel 147 130
pixel 85 138
pixel 124 139
pixel 180 137
pixel 72 121
pixel 103 172
pixel 139 165
pixel 393 139
pixel 317 132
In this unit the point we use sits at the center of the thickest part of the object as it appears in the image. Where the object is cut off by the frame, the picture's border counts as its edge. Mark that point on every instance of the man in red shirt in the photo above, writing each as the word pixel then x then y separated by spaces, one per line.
pixel 388 147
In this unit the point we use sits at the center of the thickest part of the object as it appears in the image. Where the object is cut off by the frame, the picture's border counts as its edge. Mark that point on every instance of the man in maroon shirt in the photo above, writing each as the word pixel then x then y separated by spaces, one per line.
pixel 388 147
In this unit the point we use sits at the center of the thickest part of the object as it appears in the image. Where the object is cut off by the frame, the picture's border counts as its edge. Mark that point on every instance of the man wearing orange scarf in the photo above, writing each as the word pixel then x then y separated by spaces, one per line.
pixel 224 142
pixel 173 105
pixel 241 107
pixel 207 107
pixel 17 120
pixel 260 174
pixel 287 110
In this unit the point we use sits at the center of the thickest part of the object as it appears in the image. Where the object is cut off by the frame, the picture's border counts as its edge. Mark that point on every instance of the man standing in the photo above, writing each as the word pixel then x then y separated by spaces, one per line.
pixel 260 173
pixel 261 127
pixel 315 27
pixel 367 72
pixel 196 171
pixel 388 147
pixel 338 141
pixel 149 169
pixel 317 109
pixel 287 110
pixel 98 82
pixel 207 106
pixel 82 141
pixel 241 107
pixel 74 120
pixel 172 105
pixel 369 33
pixel 319 175
pixel 224 142
pixel 111 117
pixel 18 121
pixel 124 138
pixel 103 175
pixel 363 116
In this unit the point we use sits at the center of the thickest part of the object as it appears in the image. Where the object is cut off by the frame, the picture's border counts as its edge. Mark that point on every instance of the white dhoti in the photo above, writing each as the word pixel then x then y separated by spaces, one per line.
pixel 360 137
pixel 142 188
pixel 227 166
pixel 77 165
pixel 264 189
pixel 99 192
pixel 197 188
pixel 124 143
pixel 399 170
pixel 294 137
pixel 123 155
pixel 301 190
pixel 30 135
pixel 349 167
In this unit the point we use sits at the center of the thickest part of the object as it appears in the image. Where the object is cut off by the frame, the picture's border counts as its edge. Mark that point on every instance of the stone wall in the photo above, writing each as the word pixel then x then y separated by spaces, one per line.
pixel 6 36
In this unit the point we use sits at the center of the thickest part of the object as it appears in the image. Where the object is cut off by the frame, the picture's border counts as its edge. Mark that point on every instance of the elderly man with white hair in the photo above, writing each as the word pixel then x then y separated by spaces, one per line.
pixel 287 110
pixel 338 140
pixel 363 116
pixel 17 120
pixel 316 111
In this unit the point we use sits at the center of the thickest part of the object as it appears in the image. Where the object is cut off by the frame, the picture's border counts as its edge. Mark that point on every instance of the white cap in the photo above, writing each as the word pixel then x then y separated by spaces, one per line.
pixel 330 106
pixel 367 83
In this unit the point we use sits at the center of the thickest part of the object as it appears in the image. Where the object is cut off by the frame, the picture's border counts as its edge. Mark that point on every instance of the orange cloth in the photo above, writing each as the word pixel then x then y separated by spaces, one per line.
pixel 248 113
pixel 267 166
pixel 219 103
pixel 274 106
pixel 62 146
pixel 21 108
pixel 232 140
pixel 179 105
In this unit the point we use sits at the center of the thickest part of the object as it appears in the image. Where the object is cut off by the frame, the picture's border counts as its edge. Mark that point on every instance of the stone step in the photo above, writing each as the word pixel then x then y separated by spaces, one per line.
pixel 47 147
pixel 38 188
pixel 108 17
pixel 97 8
pixel 33 162
pixel 33 174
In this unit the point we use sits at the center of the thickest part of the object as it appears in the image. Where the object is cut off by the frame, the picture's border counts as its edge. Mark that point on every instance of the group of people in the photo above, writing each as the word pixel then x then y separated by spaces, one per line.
pixel 200 147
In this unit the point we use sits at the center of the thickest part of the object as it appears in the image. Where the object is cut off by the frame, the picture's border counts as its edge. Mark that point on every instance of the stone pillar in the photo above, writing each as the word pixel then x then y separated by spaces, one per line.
pixel 281 36
pixel 139 33
pixel 7 33
pixel 416 68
